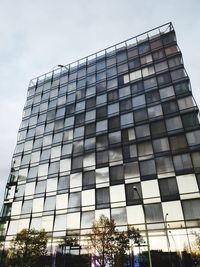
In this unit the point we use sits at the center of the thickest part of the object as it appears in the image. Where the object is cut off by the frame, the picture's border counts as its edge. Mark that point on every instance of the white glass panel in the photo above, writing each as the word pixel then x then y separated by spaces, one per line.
pixel 73 220
pixel 23 224
pixel 38 204
pixel 135 214
pixel 16 208
pixel 51 185
pixel 30 188
pixel 187 183
pixel 60 222
pixel 135 75
pixel 61 201
pixel 173 209
pixel 117 193
pixel 150 189
pixel 89 160
pixel 47 223
pixel 75 180
pixel 88 198
pixel 65 165
pixel 13 227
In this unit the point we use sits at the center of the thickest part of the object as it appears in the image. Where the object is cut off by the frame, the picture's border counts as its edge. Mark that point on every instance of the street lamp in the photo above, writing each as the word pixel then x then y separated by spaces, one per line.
pixel 166 231
pixel 168 243
pixel 62 66
pixel 145 222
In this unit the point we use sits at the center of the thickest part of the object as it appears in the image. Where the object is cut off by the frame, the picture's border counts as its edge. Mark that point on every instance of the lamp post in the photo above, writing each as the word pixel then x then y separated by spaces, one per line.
pixel 145 222
pixel 62 66
pixel 168 243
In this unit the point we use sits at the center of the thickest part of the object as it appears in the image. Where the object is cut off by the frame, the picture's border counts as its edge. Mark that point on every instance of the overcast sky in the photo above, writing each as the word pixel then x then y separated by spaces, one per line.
pixel 36 35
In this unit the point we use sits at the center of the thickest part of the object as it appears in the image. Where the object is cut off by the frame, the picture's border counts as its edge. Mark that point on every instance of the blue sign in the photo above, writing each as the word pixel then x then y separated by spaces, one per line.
pixel 136 261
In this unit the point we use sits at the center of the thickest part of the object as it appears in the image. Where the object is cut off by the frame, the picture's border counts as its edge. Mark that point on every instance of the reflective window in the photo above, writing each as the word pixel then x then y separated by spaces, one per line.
pixel 191 209
pixel 138 101
pixel 146 59
pixel 102 198
pixel 190 120
pixel 86 219
pixel 143 48
pixel 168 189
pixel 132 197
pixel 101 126
pixel 27 207
pixel 193 138
pixel 164 165
pixel 74 202
pixel 177 142
pixel 161 66
pixel 160 145
pixel 63 183
pixel 140 115
pixel 187 183
pixel 49 203
pixel 142 131
pixel 182 163
pixel 89 180
pixel 147 169
pixel 166 92
pixel 174 123
pixel 60 222
pixel 126 119
pixel 114 108
pixel 148 71
pixel 155 111
pixel 131 170
pixel 158 128
pixel 115 154
pixel 119 216
pixel 154 212
pixel 150 83
pixel 145 150
pixel 102 158
pixel 152 96
pixel 116 175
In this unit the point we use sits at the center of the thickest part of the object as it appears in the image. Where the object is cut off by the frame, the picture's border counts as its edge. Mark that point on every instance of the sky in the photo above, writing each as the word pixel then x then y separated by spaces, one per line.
pixel 37 35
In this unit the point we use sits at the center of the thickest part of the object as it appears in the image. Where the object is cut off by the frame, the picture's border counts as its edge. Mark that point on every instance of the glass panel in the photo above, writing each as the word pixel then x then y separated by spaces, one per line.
pixel 119 216
pixel 88 179
pixel 154 212
pixel 87 218
pixel 132 198
pixel 88 200
pixel 187 183
pixel 138 101
pixel 168 189
pixel 49 203
pixel 102 141
pixel 155 111
pixel 150 189
pixel 174 123
pixel 116 175
pixel 191 209
pixel 74 202
pixel 147 169
pixel 60 222
pixel 102 198
pixel 102 175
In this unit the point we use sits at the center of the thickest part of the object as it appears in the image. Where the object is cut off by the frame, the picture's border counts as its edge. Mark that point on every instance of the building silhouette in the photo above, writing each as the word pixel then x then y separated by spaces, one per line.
pixel 115 133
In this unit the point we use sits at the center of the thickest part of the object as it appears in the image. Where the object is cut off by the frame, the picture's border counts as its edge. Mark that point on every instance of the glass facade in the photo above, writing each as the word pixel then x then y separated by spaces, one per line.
pixel 94 130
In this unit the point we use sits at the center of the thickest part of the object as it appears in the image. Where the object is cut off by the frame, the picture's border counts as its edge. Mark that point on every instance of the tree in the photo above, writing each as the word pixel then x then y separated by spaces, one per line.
pixel 27 248
pixel 196 249
pixel 107 245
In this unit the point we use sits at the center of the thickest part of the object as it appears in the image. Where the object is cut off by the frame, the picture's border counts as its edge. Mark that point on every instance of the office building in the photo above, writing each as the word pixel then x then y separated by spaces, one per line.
pixel 103 132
